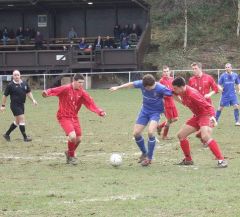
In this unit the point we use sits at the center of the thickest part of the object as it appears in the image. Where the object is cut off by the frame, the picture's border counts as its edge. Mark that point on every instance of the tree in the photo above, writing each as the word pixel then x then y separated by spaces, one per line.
pixel 238 19
pixel 186 25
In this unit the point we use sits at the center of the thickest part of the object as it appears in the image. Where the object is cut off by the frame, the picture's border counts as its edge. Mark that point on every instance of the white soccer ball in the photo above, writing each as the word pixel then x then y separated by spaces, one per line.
pixel 116 159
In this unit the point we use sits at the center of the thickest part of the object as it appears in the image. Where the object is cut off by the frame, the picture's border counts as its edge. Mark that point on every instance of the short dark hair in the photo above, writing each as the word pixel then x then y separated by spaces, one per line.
pixel 148 80
pixel 78 76
pixel 179 82
pixel 197 64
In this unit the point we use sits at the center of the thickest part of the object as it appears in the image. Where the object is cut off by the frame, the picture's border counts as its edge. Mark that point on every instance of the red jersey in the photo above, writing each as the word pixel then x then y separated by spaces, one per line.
pixel 196 102
pixel 71 100
pixel 168 100
pixel 204 84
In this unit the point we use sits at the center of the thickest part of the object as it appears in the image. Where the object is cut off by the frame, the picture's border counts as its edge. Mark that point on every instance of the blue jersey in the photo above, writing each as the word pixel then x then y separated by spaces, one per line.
pixel 228 82
pixel 153 99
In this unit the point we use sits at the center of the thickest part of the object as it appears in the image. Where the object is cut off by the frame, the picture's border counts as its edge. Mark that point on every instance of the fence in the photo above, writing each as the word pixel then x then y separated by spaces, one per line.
pixel 98 79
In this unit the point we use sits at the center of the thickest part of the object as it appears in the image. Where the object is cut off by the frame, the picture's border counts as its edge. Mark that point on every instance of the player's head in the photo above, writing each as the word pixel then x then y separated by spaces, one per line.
pixel 78 81
pixel 16 76
pixel 179 85
pixel 166 71
pixel 228 67
pixel 197 68
pixel 148 81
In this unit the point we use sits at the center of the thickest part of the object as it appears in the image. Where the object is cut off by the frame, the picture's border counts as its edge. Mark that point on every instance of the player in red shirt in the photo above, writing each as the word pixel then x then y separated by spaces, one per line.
pixel 170 110
pixel 71 98
pixel 204 83
pixel 202 119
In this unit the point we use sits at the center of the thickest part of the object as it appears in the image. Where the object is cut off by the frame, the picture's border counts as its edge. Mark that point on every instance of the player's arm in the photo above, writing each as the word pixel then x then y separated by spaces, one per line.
pixel 4 101
pixel 53 91
pixel 177 98
pixel 220 83
pixel 214 88
pixel 126 85
pixel 90 104
pixel 30 96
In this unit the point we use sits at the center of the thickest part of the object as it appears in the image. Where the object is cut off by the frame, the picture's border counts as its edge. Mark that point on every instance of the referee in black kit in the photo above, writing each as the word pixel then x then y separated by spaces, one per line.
pixel 18 90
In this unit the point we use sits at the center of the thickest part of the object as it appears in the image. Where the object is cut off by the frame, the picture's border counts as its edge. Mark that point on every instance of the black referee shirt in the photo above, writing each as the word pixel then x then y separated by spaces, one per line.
pixel 17 92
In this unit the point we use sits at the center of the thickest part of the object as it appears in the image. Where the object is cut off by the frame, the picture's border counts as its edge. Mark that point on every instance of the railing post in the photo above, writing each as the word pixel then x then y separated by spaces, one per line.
pixel 129 76
pixel 44 81
pixel 218 74
pixel 86 84
pixel 1 83
pixel 173 73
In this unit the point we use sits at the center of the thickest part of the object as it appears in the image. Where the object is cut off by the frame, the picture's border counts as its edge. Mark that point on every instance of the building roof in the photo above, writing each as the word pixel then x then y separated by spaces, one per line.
pixel 23 4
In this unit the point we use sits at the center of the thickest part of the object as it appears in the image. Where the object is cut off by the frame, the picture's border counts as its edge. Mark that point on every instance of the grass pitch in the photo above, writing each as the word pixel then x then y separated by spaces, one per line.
pixel 35 181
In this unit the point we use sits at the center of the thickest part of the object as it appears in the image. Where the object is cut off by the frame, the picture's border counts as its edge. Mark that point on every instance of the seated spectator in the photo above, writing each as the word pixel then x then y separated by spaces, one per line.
pixel 117 32
pixel 11 34
pixel 98 43
pixel 38 41
pixel 109 43
pixel 5 36
pixel 82 44
pixel 27 35
pixel 19 35
pixel 72 34
pixel 126 30
pixel 124 44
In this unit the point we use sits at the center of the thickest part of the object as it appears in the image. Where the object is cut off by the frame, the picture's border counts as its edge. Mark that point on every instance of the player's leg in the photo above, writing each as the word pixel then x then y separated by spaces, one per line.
pixel 206 132
pixel 236 114
pixel 137 133
pixel 182 135
pixel 20 119
pixel 223 103
pixel 172 116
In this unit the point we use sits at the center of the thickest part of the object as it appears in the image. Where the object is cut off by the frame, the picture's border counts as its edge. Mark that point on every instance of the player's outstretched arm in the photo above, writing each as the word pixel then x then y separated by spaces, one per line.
pixel 220 88
pixel 30 96
pixel 44 94
pixel 126 85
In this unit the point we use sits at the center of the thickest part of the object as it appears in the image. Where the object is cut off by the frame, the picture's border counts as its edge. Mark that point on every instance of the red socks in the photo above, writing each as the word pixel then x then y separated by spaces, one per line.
pixel 186 149
pixel 71 149
pixel 165 131
pixel 163 124
pixel 212 144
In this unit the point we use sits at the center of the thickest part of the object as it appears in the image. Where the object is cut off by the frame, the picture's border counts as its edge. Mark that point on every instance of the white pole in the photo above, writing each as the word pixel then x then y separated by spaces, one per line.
pixel 1 83
pixel 218 74
pixel 86 84
pixel 129 76
pixel 44 81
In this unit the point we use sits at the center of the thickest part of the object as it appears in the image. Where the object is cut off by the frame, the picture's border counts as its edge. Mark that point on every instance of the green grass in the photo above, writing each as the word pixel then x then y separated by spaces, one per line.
pixel 35 181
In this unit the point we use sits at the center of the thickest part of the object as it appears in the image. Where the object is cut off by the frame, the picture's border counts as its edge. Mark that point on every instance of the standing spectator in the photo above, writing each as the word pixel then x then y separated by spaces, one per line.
pixel 18 90
pixel 226 83
pixel 71 97
pixel 152 107
pixel 117 32
pixel 5 36
pixel 19 35
pixel 136 29
pixel 72 34
pixel 38 41
pixel 27 35
pixel 202 119
pixel 170 109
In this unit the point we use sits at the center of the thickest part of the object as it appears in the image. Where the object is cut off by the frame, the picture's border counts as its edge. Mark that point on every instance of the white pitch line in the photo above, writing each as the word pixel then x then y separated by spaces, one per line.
pixel 106 199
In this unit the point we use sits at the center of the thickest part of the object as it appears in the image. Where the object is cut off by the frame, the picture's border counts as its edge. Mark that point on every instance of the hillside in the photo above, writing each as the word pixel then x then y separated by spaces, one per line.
pixel 212 35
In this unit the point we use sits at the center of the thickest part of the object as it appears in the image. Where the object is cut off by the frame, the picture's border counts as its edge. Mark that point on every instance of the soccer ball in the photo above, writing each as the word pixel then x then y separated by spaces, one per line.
pixel 116 159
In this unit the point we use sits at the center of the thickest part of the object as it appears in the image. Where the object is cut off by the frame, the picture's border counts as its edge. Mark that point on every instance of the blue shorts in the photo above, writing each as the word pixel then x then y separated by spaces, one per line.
pixel 145 117
pixel 228 101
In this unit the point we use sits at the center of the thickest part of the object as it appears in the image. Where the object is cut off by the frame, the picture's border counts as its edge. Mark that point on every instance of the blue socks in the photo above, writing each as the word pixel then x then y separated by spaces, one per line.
pixel 218 113
pixel 151 146
pixel 140 142
pixel 236 115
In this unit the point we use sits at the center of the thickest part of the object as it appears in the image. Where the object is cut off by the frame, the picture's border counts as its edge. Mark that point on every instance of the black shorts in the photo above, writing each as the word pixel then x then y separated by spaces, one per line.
pixel 17 109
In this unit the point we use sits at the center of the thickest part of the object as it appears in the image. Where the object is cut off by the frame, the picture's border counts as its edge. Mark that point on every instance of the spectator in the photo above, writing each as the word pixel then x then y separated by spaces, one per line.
pixel 19 35
pixel 124 44
pixel 72 34
pixel 27 35
pixel 136 29
pixel 98 43
pixel 38 41
pixel 5 36
pixel 82 44
pixel 117 32
pixel 109 43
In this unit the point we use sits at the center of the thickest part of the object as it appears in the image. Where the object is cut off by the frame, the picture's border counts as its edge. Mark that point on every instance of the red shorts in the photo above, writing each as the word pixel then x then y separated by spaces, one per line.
pixel 171 112
pixel 69 125
pixel 200 121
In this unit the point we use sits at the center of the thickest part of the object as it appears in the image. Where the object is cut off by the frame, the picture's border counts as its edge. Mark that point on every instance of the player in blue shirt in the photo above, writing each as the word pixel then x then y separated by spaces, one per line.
pixel 152 107
pixel 226 84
